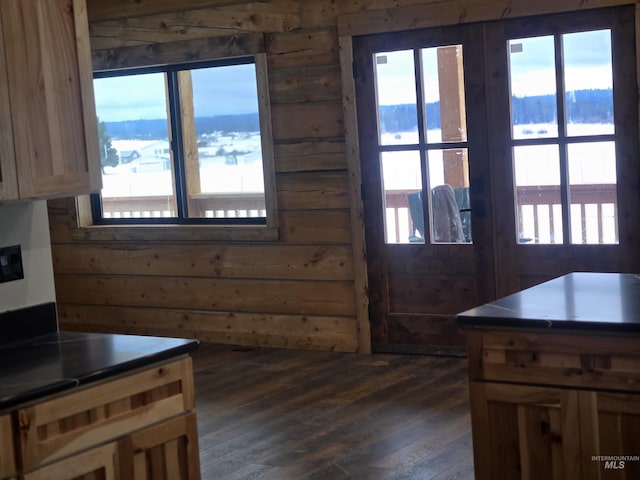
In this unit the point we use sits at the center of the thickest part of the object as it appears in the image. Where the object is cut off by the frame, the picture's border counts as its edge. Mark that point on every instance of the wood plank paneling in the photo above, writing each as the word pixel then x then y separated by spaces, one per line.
pixel 177 52
pixel 99 10
pixel 387 17
pixel 225 20
pixel 302 85
pixel 229 295
pixel 300 156
pixel 318 13
pixel 255 329
pixel 312 120
pixel 313 191
pixel 326 227
pixel 307 49
pixel 214 261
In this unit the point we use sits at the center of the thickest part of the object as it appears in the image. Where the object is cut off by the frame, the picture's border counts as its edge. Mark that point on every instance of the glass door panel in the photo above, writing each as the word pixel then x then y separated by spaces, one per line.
pixel 562 185
pixel 588 80
pixel 443 87
pixel 532 76
pixel 450 209
pixel 592 186
pixel 538 198
pixel 396 98
pixel 402 187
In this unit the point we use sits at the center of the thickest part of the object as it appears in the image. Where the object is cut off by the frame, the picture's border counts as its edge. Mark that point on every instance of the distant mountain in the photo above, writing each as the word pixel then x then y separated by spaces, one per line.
pixel 157 129
pixel 583 106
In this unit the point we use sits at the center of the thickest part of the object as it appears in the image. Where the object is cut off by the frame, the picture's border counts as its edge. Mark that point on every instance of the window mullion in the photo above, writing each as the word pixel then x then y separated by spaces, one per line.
pixel 565 194
pixel 176 144
pixel 424 158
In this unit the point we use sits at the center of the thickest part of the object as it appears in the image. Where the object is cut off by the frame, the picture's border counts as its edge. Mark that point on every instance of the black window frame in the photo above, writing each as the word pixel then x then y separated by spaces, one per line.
pixel 176 146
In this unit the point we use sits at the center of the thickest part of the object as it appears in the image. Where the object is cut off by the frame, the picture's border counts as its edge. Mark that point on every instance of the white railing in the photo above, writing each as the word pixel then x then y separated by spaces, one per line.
pixel 594 214
pixel 221 205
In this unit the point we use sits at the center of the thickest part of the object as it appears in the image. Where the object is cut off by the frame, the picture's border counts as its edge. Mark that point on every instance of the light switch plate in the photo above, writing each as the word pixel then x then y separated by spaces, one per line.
pixel 11 264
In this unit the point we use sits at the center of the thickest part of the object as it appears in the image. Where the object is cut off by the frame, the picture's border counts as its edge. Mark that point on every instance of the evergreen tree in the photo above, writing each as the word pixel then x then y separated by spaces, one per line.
pixel 108 154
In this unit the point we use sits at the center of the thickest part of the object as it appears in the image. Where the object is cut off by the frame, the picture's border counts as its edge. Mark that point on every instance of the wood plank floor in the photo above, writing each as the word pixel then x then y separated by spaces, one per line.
pixel 288 414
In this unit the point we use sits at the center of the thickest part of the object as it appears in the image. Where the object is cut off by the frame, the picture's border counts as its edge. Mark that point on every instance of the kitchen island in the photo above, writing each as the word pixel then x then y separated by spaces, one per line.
pixel 554 375
pixel 84 405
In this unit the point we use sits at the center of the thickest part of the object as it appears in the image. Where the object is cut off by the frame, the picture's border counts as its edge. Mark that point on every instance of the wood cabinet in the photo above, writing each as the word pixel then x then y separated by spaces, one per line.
pixel 139 425
pixel 7 457
pixel 554 405
pixel 159 452
pixel 97 463
pixel 48 125
pixel 167 451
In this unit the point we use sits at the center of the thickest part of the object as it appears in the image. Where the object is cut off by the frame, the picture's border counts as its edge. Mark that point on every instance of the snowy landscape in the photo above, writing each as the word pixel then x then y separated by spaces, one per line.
pixel 221 170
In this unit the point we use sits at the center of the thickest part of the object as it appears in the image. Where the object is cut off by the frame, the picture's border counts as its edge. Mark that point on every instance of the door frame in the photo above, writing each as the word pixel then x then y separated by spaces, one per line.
pixel 410 18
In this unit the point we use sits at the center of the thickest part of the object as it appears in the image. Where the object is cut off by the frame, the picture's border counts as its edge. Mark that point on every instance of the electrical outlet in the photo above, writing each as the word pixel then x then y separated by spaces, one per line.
pixel 11 264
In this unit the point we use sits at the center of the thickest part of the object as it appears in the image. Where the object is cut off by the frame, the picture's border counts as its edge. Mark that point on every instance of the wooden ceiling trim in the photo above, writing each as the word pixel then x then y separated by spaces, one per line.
pixel 103 10
pixel 178 52
pixel 451 13
pixel 225 20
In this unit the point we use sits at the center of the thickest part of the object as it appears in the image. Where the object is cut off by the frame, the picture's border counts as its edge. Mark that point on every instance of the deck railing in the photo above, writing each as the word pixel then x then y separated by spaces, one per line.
pixel 219 205
pixel 594 214
pixel 593 211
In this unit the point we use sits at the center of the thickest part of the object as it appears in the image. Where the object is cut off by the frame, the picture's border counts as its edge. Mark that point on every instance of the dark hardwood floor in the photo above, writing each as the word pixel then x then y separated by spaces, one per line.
pixel 289 414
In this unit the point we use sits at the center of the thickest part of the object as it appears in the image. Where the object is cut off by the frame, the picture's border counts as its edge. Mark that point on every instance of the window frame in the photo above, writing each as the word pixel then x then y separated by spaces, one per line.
pixel 185 54
pixel 563 24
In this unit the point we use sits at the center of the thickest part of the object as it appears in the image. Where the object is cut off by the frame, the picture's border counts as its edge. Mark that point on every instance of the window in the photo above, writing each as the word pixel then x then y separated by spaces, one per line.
pixel 563 137
pixel 185 144
pixel 422 144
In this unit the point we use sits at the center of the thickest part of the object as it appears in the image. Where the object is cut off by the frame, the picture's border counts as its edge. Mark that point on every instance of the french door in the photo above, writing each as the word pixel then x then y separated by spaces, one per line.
pixel 494 156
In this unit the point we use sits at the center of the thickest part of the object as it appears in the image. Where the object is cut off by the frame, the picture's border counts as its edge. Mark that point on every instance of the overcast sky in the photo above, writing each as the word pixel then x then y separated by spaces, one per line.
pixel 587 59
pixel 217 91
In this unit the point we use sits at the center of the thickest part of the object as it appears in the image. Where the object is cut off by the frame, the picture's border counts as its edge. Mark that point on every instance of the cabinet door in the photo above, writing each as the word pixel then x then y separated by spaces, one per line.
pixel 610 430
pixel 100 413
pixel 523 432
pixel 99 463
pixel 527 432
pixel 7 452
pixel 168 451
pixel 49 77
pixel 8 175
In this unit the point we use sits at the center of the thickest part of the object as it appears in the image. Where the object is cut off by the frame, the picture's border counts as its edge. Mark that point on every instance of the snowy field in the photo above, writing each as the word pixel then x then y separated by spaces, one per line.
pixel 228 163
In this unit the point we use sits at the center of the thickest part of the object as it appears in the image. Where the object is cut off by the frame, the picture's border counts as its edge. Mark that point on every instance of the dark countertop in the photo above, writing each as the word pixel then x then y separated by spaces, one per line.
pixel 57 361
pixel 605 302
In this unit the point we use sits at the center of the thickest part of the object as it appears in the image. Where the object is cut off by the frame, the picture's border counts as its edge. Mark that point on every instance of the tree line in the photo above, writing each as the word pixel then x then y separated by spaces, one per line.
pixel 582 106
pixel 156 129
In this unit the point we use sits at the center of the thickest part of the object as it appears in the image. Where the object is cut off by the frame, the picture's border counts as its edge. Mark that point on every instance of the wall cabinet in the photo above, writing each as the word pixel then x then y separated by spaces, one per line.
pixel 547 405
pixel 48 125
pixel 139 425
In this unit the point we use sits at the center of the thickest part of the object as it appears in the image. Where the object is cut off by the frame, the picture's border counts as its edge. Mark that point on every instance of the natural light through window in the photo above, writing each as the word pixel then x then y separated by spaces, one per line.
pixel 181 145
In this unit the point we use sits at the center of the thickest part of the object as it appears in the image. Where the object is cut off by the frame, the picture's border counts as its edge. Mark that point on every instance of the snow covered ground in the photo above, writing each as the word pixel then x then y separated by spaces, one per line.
pixel 228 163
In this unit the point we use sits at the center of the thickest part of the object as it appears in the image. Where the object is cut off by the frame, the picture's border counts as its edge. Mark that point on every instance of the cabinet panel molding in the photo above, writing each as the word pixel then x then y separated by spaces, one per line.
pixel 97 463
pixel 49 80
pixel 7 453
pixel 69 423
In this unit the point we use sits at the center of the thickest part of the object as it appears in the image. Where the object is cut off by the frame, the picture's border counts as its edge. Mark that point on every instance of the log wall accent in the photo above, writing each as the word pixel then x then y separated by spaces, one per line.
pixel 307 287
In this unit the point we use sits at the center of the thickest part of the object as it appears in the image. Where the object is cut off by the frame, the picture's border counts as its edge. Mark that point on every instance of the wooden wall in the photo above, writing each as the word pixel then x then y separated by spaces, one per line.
pixel 305 290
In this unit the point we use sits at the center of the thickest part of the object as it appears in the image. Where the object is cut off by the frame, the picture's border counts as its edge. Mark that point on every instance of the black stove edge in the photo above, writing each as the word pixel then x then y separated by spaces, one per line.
pixel 28 322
